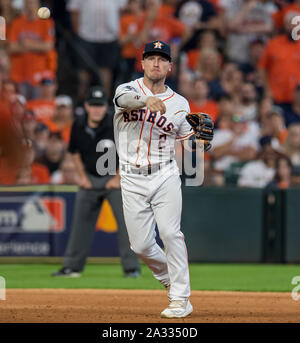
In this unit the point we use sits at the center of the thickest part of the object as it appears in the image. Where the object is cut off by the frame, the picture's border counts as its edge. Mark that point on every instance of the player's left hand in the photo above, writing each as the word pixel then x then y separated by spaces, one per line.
pixel 203 127
pixel 113 183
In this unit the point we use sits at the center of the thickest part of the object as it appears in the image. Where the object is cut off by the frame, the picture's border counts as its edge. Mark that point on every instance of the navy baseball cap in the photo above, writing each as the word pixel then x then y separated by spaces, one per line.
pixel 157 47
pixel 96 96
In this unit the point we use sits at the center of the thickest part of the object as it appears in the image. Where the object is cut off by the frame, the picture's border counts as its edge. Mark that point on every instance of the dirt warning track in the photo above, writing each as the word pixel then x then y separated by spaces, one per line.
pixel 143 306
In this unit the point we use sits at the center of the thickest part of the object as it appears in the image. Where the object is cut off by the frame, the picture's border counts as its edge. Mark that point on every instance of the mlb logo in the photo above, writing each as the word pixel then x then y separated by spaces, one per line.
pixel 56 209
pixel 47 214
pixel 32 214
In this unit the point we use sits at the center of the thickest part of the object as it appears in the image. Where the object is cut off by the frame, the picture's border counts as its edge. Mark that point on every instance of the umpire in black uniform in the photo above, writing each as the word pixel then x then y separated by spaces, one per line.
pixel 88 134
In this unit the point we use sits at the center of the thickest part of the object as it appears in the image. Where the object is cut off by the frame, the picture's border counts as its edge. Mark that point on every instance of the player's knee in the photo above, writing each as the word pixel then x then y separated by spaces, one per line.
pixel 167 236
pixel 141 249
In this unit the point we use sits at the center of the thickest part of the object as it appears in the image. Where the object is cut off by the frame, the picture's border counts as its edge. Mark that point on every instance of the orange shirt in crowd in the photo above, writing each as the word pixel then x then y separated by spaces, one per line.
pixel 167 10
pixel 210 107
pixel 8 172
pixel 128 25
pixel 30 65
pixel 43 109
pixel 65 132
pixel 39 174
pixel 278 16
pixel 9 145
pixel 281 61
pixel 163 28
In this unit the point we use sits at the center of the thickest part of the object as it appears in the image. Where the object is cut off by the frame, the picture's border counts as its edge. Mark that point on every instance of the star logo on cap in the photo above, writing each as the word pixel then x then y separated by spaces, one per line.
pixel 97 94
pixel 158 45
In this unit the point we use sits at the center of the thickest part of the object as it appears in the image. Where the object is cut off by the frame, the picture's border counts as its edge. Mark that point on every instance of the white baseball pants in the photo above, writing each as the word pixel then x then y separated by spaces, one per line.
pixel 156 199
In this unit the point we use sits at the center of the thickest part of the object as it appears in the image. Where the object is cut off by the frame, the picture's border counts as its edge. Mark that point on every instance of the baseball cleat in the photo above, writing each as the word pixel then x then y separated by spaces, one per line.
pixel 133 274
pixel 66 272
pixel 178 309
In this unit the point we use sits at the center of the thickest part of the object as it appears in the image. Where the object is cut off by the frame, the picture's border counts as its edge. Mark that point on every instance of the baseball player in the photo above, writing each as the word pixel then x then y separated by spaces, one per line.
pixel 149 118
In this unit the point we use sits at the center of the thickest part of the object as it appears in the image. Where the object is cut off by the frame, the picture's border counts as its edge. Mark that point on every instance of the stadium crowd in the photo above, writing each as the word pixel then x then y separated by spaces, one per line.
pixel 238 60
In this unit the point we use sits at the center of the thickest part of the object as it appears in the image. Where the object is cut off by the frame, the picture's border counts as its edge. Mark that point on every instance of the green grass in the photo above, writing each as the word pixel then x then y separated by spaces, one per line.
pixel 235 277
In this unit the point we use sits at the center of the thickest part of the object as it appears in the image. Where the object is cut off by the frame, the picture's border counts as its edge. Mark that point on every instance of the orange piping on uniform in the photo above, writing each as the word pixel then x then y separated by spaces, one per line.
pixel 149 163
pixel 138 147
pixel 190 134
pixel 141 87
pixel 169 97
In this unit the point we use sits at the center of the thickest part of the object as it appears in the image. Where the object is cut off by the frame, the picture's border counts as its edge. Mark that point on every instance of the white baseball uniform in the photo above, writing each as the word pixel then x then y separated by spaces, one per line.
pixel 150 182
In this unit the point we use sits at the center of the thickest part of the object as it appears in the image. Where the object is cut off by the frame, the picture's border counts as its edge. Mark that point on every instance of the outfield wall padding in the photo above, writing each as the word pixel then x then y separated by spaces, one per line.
pixel 292 226
pixel 223 224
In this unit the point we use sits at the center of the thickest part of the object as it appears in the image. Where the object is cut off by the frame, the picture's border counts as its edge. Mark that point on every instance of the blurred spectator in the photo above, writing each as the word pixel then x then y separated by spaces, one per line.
pixel 197 15
pixel 199 101
pixel 9 88
pixel 231 82
pixel 9 13
pixel 5 65
pixel 260 172
pixel 18 106
pixel 67 173
pixel 246 20
pixel 283 174
pixel 31 44
pixel 41 135
pixel 44 106
pixel 62 119
pixel 96 23
pixel 154 25
pixel 207 40
pixel 209 65
pixel 10 142
pixel 226 107
pixel 128 36
pixel 54 152
pixel 292 144
pixel 224 121
pixel 248 101
pixel 292 112
pixel 185 79
pixel 236 143
pixel 274 128
pixel 249 69
pixel 32 172
pixel 29 125
pixel 280 65
pixel 279 15
pixel 265 106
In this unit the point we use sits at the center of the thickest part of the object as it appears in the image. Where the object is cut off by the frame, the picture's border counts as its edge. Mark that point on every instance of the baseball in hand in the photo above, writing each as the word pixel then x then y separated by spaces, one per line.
pixel 43 13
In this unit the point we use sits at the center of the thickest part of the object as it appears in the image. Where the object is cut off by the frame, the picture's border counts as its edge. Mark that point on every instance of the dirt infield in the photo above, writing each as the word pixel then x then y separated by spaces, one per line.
pixel 141 306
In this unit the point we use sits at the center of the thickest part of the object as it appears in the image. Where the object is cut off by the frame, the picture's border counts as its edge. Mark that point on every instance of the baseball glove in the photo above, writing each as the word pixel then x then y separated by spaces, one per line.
pixel 203 127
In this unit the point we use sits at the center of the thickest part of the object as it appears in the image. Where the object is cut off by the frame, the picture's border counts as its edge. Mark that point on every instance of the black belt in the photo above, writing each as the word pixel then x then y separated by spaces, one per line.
pixel 150 169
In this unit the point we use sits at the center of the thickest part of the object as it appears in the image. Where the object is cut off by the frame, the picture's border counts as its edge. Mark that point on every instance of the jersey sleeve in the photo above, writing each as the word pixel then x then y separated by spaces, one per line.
pixel 185 130
pixel 123 89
